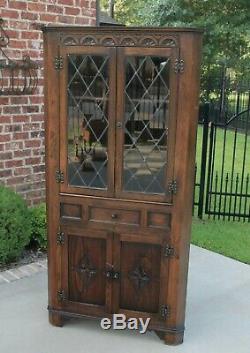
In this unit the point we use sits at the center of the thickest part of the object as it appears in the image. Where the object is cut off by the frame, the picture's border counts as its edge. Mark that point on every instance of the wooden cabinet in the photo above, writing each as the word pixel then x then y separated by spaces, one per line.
pixel 121 116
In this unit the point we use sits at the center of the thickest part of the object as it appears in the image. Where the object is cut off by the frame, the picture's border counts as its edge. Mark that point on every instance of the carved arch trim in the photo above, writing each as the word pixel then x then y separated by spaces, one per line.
pixel 120 39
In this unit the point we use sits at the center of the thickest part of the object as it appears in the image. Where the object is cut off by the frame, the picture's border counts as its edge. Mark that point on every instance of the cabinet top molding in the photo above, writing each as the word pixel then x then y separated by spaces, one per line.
pixel 124 37
pixel 112 29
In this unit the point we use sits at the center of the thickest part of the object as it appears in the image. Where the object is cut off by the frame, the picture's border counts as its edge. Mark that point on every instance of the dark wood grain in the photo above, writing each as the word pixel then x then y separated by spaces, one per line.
pixel 159 220
pixel 130 215
pixel 140 276
pixel 114 251
pixel 87 263
pixel 184 173
pixel 86 256
pixel 71 211
pixel 113 215
pixel 52 163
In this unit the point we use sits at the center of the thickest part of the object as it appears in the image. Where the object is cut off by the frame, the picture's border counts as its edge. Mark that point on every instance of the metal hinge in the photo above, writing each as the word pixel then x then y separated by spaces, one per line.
pixel 169 251
pixel 59 176
pixel 61 295
pixel 179 66
pixel 58 62
pixel 172 187
pixel 60 238
pixel 165 311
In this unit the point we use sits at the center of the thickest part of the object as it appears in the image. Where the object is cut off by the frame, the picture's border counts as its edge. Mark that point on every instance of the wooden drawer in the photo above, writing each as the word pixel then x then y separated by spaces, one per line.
pixel 158 220
pixel 112 215
pixel 115 215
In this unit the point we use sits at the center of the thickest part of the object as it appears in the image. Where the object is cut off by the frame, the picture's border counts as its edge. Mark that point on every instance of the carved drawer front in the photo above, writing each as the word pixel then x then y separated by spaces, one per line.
pixel 158 220
pixel 71 212
pixel 114 216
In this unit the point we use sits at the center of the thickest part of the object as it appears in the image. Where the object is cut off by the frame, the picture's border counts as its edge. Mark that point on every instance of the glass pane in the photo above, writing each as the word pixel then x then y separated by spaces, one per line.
pixel 88 95
pixel 146 117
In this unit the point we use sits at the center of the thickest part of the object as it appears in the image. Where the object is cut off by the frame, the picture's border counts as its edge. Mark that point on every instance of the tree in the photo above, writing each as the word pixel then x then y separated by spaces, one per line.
pixel 126 11
pixel 225 23
pixel 226 33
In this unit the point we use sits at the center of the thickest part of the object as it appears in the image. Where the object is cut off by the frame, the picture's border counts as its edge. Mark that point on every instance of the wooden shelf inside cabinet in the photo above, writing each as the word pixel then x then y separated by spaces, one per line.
pixel 120 147
pixel 92 99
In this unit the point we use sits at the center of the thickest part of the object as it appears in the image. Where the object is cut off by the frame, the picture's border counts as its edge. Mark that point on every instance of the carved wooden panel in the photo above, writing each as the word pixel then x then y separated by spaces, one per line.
pixel 87 260
pixel 159 220
pixel 140 276
pixel 121 39
pixel 71 211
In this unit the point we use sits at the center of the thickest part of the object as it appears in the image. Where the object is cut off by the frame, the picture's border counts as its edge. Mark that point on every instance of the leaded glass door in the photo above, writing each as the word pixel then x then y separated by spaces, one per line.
pixel 145 123
pixel 87 120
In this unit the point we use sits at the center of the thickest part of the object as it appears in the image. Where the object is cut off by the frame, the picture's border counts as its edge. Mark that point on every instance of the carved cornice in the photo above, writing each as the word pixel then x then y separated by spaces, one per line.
pixel 121 39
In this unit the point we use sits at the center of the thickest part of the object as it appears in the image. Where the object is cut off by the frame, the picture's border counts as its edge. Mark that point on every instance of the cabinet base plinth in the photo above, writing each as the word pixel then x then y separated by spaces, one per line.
pixel 56 319
pixel 171 338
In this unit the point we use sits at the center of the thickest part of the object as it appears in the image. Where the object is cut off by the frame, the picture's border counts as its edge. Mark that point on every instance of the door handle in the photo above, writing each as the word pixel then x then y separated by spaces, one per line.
pixel 116 275
pixel 111 274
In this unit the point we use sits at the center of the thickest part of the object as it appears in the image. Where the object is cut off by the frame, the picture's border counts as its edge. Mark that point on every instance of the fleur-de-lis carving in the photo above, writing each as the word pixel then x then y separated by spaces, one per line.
pixel 86 270
pixel 139 277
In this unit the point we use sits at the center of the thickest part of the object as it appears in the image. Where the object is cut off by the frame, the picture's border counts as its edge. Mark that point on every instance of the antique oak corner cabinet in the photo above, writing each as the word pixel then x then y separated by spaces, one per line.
pixel 121 117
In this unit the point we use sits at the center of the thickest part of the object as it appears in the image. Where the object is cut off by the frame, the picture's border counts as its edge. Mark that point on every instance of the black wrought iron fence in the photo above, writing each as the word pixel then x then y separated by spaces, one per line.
pixel 228 191
pixel 222 182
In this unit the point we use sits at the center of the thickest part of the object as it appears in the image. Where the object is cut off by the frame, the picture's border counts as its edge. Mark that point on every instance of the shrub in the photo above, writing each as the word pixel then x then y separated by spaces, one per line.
pixel 38 225
pixel 15 225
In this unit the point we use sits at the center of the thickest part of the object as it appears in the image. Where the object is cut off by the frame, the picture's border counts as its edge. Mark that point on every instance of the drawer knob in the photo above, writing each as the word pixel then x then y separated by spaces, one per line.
pixel 109 274
pixel 114 216
pixel 116 275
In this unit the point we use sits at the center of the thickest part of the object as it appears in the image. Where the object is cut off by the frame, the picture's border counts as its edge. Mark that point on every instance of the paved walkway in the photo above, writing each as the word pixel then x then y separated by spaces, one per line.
pixel 217 320
pixel 23 271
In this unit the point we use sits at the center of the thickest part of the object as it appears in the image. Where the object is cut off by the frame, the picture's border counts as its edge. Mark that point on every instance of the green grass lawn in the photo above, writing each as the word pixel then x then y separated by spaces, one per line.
pixel 231 239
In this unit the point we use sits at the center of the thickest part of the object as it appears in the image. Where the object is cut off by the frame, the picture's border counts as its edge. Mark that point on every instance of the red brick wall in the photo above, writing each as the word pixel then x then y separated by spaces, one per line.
pixel 21 117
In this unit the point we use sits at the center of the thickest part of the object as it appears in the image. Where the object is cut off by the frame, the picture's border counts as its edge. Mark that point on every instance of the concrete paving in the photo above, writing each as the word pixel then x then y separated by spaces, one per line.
pixel 217 320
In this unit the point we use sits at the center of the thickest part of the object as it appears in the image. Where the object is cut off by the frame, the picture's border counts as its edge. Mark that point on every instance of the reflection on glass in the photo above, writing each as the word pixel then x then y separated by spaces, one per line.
pixel 88 93
pixel 146 117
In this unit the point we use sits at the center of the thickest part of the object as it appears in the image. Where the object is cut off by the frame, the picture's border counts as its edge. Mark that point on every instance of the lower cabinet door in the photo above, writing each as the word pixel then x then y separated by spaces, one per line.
pixel 142 288
pixel 86 255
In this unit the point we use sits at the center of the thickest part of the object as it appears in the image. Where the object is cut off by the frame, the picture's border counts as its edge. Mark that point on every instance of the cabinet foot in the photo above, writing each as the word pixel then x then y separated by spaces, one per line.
pixel 56 319
pixel 171 338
